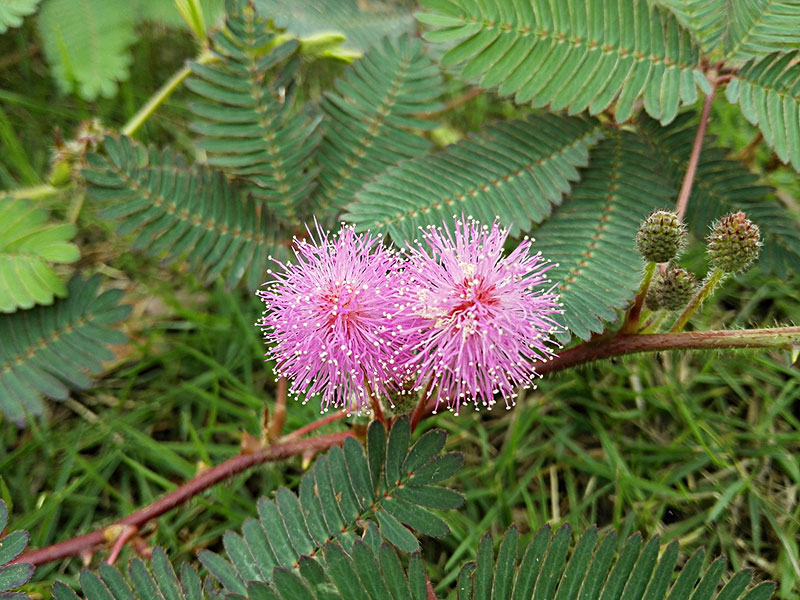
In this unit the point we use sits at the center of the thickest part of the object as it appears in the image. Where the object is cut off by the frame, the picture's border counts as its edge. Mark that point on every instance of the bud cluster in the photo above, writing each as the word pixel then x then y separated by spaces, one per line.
pixel 673 290
pixel 661 237
pixel 734 243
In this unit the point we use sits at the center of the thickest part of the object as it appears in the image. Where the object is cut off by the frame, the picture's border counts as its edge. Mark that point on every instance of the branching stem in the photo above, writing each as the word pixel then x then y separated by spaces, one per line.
pixel 161 95
pixel 326 420
pixel 618 345
pixel 632 321
pixel 279 414
pixel 694 157
pixel 711 282
pixel 203 481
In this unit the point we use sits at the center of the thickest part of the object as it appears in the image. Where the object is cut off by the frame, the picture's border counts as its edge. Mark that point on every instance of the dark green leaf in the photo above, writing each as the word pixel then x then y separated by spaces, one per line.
pixel 416 517
pixel 431 496
pixel 438 469
pixel 396 533
pixel 504 568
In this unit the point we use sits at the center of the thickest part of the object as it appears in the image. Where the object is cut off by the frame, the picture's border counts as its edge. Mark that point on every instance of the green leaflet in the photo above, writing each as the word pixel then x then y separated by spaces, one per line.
pixel 742 29
pixel 362 28
pixel 28 244
pixel 47 349
pixel 11 546
pixel 336 498
pixel 12 12
pixel 590 237
pixel 86 43
pixel 575 55
pixel 768 92
pixel 514 170
pixel 183 211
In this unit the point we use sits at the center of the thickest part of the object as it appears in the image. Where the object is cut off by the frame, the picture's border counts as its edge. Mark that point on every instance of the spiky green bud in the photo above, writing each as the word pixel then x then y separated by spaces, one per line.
pixel 674 289
pixel 661 237
pixel 734 243
pixel 652 301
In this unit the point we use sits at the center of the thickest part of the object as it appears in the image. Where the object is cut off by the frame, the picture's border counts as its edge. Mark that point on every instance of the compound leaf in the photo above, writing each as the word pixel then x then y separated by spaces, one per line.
pixel 182 210
pixel 86 43
pixel 372 118
pixel 335 500
pixel 48 348
pixel 590 237
pixel 742 29
pixel 515 170
pixel 28 243
pixel 574 55
pixel 12 12
pixel 249 128
pixel 767 90
pixel 635 571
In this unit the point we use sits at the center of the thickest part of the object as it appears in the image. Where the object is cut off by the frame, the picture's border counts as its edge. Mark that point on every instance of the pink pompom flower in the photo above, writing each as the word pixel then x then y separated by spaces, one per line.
pixel 482 317
pixel 336 321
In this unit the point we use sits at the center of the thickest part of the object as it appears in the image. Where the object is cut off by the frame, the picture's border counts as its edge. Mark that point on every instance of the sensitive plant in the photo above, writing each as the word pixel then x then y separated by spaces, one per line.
pixel 463 311
pixel 482 317
pixel 338 320
pixel 358 324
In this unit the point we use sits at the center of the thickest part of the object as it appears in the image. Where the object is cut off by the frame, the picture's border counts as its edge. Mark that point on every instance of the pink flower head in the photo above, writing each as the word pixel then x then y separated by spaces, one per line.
pixel 335 319
pixel 482 317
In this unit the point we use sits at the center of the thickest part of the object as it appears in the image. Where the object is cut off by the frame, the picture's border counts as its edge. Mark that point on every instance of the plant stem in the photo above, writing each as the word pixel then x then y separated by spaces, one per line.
pixel 421 410
pixel 229 468
pixel 632 321
pixel 375 404
pixel 712 281
pixel 279 415
pixel 164 92
pixel 620 344
pixel 326 420
pixel 161 95
pixel 624 343
pixel 31 193
pixel 694 157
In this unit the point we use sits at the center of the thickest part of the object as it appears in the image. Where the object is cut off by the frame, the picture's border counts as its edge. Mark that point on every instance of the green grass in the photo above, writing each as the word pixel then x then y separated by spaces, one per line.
pixel 699 447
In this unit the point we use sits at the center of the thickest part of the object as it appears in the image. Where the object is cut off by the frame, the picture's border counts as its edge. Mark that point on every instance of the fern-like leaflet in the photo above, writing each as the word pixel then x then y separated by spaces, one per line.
pixel 576 55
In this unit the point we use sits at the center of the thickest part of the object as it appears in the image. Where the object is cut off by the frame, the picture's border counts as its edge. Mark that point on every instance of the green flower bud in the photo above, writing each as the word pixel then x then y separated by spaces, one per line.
pixel 652 301
pixel 661 237
pixel 734 243
pixel 674 289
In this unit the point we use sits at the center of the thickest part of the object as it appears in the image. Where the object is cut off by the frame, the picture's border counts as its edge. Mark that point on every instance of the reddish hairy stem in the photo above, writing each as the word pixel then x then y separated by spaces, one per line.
pixel 279 415
pixel 127 534
pixel 331 418
pixel 188 490
pixel 624 343
pixel 632 321
pixel 421 410
pixel 694 157
pixel 618 345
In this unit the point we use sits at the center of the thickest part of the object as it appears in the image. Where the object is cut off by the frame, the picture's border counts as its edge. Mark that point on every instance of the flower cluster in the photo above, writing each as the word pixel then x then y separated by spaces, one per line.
pixel 450 315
